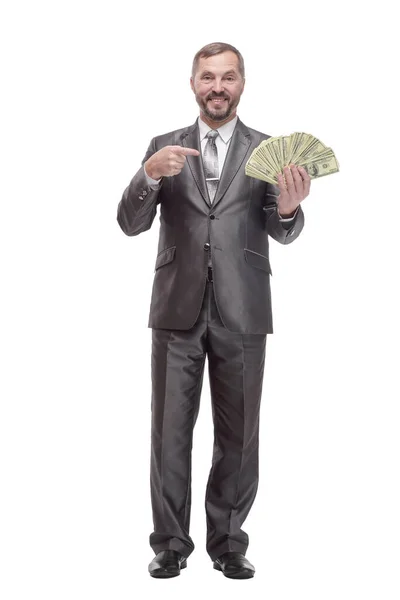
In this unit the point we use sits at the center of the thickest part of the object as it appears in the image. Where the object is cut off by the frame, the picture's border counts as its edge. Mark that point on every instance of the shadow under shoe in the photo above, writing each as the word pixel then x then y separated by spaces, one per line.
pixel 167 563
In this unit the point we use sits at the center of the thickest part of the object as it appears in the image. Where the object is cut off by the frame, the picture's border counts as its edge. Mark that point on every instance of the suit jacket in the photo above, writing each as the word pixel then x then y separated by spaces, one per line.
pixel 234 228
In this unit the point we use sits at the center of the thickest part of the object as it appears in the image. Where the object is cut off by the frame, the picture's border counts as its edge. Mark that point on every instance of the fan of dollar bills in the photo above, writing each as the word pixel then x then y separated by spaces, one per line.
pixel 301 149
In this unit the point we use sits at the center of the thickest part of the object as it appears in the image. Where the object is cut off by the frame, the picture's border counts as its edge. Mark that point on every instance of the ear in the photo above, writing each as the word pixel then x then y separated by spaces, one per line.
pixel 192 84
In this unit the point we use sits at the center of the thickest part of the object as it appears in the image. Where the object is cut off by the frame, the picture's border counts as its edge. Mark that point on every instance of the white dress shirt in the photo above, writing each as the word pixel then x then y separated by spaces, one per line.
pixel 222 142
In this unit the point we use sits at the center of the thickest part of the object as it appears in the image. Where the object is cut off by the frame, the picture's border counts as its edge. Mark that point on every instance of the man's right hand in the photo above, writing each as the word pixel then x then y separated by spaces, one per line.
pixel 168 161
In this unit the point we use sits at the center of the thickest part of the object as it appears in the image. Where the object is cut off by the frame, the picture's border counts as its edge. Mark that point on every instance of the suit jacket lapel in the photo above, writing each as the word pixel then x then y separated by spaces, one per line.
pixel 237 150
pixel 192 140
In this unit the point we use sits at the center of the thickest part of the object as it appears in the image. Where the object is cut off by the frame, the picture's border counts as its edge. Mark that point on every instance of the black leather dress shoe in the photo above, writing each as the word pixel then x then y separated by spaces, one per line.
pixel 167 563
pixel 234 565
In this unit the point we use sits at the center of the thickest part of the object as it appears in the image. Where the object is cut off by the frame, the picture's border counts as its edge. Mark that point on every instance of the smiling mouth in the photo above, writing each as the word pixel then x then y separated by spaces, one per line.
pixel 218 100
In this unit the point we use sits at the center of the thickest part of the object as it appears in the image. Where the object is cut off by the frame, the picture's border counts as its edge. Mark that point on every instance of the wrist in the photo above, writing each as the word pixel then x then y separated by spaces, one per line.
pixel 151 172
pixel 286 213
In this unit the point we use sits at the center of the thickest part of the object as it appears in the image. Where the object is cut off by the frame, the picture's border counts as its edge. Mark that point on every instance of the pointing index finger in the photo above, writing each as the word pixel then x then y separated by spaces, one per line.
pixel 186 151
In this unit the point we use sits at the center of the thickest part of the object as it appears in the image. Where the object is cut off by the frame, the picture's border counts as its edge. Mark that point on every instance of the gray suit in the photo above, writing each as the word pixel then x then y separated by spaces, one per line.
pixel 225 317
pixel 234 229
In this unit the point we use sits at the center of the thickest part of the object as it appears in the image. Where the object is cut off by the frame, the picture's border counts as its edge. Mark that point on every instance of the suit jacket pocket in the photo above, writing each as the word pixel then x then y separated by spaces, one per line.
pixel 257 260
pixel 165 257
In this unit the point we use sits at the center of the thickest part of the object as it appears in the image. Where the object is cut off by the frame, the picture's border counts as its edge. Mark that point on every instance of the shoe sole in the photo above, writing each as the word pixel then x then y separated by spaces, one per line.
pixel 167 574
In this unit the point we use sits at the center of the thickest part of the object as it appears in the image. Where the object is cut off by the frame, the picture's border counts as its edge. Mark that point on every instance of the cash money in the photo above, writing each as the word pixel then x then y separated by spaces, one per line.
pixel 299 148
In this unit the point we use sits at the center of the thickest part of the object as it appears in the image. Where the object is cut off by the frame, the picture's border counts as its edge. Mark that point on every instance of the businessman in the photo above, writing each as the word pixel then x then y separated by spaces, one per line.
pixel 211 297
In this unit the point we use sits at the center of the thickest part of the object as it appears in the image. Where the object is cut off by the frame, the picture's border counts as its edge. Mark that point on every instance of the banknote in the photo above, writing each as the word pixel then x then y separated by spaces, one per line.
pixel 300 148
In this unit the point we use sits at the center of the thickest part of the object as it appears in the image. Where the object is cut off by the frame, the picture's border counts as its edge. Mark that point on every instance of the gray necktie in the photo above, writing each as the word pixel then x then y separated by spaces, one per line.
pixel 210 161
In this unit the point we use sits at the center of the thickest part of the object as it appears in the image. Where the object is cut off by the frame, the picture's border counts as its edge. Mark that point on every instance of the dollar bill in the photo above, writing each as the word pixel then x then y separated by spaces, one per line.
pixel 321 166
pixel 300 148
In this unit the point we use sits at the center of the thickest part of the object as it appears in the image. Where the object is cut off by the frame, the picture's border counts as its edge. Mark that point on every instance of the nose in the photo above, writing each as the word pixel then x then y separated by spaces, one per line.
pixel 218 87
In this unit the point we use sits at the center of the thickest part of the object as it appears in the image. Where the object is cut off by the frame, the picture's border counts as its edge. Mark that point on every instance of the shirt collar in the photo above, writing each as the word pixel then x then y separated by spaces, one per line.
pixel 225 131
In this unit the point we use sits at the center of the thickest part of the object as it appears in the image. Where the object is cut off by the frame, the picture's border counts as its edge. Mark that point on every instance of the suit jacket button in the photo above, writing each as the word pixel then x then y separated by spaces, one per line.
pixel 206 246
pixel 212 216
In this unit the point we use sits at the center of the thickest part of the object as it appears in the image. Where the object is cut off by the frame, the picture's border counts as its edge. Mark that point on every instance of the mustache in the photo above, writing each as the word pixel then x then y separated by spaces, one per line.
pixel 214 96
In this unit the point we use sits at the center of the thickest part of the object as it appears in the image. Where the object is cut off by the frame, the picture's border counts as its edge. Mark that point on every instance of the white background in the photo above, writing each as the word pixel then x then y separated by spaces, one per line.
pixel 87 85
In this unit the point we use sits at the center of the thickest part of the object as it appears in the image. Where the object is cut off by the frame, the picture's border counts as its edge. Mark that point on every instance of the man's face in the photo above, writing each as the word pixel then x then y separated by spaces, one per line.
pixel 218 86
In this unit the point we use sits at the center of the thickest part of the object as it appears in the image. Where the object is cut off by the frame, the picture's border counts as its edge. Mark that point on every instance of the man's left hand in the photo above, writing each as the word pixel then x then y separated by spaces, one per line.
pixel 297 188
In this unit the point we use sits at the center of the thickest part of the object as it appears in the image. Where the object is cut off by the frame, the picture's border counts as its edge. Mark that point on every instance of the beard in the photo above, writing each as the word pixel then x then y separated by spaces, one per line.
pixel 216 114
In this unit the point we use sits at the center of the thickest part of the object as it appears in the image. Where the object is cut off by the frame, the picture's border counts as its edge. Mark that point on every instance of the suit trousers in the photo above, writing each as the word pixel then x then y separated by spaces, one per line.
pixel 236 369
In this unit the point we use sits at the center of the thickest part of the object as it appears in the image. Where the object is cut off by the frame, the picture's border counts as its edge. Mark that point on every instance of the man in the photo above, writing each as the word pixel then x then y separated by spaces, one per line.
pixel 210 297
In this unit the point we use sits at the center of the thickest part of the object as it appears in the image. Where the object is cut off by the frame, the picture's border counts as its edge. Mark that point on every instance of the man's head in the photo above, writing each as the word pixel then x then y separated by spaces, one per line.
pixel 218 81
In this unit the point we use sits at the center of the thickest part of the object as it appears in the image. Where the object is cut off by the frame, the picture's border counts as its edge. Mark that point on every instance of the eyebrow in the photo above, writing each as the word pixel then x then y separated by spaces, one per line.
pixel 231 72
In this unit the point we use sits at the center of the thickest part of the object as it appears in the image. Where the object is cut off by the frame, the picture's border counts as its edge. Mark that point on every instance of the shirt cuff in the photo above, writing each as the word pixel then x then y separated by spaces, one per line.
pixel 286 219
pixel 151 182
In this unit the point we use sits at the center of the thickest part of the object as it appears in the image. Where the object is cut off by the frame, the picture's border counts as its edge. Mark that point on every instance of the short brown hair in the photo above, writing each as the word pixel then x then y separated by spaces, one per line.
pixel 212 50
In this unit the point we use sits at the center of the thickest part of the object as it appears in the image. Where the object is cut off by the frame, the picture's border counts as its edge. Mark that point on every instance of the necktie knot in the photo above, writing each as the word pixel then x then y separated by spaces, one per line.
pixel 212 134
